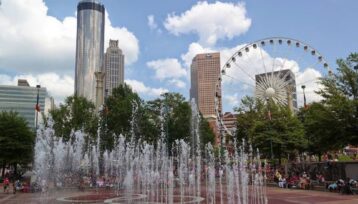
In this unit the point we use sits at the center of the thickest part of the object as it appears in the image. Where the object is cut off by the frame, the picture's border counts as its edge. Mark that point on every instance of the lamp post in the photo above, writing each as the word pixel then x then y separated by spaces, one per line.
pixel 270 118
pixel 37 107
pixel 304 96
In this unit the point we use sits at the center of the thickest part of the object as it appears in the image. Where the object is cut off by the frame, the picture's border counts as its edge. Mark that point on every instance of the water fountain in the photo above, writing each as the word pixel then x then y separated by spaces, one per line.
pixel 137 172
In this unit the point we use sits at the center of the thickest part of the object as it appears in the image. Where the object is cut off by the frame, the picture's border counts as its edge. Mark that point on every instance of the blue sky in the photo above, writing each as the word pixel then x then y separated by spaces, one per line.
pixel 328 25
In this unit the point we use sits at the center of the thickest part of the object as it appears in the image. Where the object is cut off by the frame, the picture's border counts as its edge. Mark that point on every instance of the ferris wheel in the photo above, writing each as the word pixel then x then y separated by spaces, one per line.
pixel 283 70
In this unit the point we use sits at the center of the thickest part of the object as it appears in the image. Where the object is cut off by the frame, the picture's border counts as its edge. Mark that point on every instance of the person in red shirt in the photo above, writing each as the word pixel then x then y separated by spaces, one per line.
pixel 6 185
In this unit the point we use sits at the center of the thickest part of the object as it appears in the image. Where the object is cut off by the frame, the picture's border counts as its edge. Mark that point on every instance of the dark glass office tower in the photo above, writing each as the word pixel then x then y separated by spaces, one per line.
pixel 89 47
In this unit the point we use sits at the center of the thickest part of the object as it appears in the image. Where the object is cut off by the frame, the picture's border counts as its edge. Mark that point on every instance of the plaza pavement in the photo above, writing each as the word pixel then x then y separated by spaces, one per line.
pixel 275 196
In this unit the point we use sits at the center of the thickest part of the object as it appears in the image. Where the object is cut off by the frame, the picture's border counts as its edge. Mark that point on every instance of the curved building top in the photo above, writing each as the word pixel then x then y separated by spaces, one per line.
pixel 90 4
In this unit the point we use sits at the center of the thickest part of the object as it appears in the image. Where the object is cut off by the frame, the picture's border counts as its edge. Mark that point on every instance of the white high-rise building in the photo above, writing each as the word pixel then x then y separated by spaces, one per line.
pixel 23 99
pixel 114 66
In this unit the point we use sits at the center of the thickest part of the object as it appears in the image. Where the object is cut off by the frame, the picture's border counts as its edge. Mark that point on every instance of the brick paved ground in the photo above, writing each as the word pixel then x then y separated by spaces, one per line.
pixel 275 196
pixel 289 196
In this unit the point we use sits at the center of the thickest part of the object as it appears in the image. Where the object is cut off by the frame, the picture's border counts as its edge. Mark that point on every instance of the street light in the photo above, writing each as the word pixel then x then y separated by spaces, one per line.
pixel 304 96
pixel 356 69
pixel 37 107
pixel 270 118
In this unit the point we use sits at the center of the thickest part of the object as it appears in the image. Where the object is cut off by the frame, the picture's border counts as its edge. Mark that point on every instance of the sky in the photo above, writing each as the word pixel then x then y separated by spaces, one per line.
pixel 159 37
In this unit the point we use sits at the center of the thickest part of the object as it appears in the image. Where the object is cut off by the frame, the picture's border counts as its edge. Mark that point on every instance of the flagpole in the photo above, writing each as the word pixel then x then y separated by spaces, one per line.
pixel 37 105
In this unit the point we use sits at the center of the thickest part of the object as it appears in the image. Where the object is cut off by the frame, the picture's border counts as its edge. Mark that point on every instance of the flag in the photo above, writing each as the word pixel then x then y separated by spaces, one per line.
pixel 37 108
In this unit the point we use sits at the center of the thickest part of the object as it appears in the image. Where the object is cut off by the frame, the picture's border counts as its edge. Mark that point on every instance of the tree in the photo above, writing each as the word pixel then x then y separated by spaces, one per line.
pixel 17 140
pixel 206 133
pixel 176 113
pixel 120 107
pixel 340 98
pixel 276 135
pixel 77 113
pixel 320 128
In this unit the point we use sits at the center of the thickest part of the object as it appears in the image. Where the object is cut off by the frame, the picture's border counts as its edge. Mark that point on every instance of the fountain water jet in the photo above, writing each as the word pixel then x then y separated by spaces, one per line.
pixel 139 172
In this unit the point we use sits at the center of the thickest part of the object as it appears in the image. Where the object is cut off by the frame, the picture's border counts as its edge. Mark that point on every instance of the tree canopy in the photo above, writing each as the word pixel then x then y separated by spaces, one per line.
pixel 277 134
pixel 77 113
pixel 16 140
pixel 340 99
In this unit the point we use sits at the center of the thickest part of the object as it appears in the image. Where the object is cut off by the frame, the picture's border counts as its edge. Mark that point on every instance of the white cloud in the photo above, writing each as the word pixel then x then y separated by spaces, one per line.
pixel 193 50
pixel 233 100
pixel 127 41
pixel 210 21
pixel 178 83
pixel 151 22
pixel 34 42
pixel 169 68
pixel 140 88
pixel 310 78
pixel 57 86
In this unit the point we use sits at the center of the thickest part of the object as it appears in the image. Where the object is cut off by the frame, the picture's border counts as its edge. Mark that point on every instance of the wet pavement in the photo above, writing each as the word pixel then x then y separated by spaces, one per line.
pixel 274 195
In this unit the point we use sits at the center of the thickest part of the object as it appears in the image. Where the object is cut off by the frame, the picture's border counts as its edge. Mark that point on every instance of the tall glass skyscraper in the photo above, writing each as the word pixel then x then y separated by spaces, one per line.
pixel 89 47
pixel 114 65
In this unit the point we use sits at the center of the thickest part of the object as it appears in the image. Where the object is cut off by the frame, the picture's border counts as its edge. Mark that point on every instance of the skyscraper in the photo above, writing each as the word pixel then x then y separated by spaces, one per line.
pixel 89 47
pixel 205 69
pixel 114 65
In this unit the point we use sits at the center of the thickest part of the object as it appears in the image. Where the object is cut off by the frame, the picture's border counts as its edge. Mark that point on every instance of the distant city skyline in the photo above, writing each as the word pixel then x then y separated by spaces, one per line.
pixel 160 38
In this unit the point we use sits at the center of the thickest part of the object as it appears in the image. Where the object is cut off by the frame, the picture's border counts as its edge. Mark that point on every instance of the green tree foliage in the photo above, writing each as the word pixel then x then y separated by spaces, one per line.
pixel 206 133
pixel 77 113
pixel 16 140
pixel 120 107
pixel 177 116
pixel 128 115
pixel 320 128
pixel 340 98
pixel 283 133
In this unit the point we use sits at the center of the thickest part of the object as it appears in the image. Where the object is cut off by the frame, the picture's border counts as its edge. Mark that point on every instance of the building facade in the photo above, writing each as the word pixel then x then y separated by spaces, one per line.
pixel 205 70
pixel 230 122
pixel 22 99
pixel 114 66
pixel 289 77
pixel 89 47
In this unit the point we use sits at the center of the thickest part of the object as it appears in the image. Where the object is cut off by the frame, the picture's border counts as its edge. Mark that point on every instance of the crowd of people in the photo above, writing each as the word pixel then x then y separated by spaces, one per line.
pixel 304 181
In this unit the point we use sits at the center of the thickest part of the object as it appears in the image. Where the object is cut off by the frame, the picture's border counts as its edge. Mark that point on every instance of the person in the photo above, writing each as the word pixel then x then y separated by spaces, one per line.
pixel 6 185
pixel 333 186
pixel 347 187
pixel 304 175
pixel 18 185
pixel 282 182
pixel 304 181
pixel 293 181
pixel 340 185
pixel 277 176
